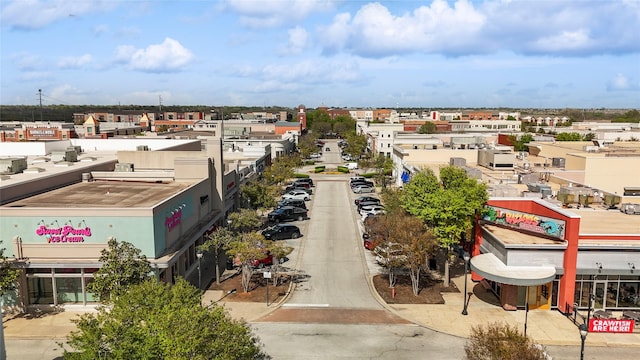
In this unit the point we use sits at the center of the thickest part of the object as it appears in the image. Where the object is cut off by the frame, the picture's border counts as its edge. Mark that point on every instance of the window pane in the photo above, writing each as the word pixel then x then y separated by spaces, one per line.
pixel 38 270
pixel 67 271
pixel 69 290
pixel 40 291
pixel 91 298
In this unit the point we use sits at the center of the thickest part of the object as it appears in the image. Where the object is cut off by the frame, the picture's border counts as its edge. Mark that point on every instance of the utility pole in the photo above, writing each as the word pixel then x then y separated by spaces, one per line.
pixel 40 96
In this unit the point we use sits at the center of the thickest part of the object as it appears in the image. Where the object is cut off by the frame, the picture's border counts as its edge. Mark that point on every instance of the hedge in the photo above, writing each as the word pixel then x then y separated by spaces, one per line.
pixel 300 176
pixel 343 169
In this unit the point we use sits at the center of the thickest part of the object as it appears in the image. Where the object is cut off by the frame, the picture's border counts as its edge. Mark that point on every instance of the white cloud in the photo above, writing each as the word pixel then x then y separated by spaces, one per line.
pixel 620 83
pixel 375 31
pixel 26 61
pixel 298 41
pixel 74 62
pixel 260 13
pixel 566 40
pixel 463 27
pixel 169 56
pixel 36 14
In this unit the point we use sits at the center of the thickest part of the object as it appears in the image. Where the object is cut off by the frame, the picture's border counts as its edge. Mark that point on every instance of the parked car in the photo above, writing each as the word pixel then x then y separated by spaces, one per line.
pixel 372 210
pixel 306 189
pixel 296 194
pixel 287 213
pixel 291 202
pixel 365 198
pixel 281 231
pixel 367 242
pixel 357 178
pixel 366 204
pixel 304 181
pixel 361 189
pixel 361 182
pixel 266 261
pixel 327 149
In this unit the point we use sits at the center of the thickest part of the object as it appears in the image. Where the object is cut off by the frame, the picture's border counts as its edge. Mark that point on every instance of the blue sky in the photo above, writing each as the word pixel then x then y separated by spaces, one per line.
pixel 403 53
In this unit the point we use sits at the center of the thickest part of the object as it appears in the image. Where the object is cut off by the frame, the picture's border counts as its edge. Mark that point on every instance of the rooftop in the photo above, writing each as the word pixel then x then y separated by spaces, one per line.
pixel 103 195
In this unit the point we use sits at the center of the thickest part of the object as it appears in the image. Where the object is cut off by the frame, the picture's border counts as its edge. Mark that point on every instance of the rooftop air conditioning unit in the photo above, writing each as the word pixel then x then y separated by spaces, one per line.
pixel 124 167
pixel 142 148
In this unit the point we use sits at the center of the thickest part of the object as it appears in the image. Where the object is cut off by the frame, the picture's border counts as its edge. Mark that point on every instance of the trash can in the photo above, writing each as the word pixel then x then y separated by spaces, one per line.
pixel 229 264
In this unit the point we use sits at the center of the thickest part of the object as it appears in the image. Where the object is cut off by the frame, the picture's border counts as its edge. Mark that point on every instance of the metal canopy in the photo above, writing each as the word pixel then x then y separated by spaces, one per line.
pixel 491 268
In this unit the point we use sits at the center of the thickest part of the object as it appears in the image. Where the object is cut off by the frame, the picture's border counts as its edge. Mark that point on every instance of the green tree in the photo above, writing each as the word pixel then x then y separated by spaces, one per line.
pixel 392 201
pixel 520 143
pixel 123 265
pixel 344 125
pixel 383 166
pixel 356 145
pixel 258 194
pixel 428 128
pixel 250 247
pixel 217 242
pixel 8 274
pixel 572 136
pixel 499 341
pixel 281 170
pixel 447 205
pixel 245 220
pixel 307 145
pixel 155 320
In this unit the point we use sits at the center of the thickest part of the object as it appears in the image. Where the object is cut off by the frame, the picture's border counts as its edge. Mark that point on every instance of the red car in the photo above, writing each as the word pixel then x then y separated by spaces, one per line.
pixel 367 242
pixel 266 261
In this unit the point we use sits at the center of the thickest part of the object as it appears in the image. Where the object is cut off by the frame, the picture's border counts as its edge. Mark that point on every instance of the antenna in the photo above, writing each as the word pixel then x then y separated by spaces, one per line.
pixel 160 100
pixel 40 96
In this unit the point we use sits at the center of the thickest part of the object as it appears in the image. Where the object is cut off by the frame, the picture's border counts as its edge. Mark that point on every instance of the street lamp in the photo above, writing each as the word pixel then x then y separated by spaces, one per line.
pixel 466 258
pixel 584 330
pixel 229 221
pixel 199 256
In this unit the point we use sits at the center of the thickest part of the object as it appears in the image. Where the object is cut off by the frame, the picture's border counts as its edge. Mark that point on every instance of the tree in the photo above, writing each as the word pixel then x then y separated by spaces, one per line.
pixel 520 143
pixel 123 265
pixel 281 170
pixel 383 165
pixel 344 125
pixel 245 220
pixel 448 206
pixel 155 320
pixel 249 248
pixel 8 277
pixel 258 194
pixel 279 251
pixel 428 128
pixel 501 341
pixel 217 241
pixel 418 244
pixel 572 136
pixel 356 144
pixel 8 274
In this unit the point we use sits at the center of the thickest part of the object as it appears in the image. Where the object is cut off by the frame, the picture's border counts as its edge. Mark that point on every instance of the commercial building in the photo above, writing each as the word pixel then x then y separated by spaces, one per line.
pixel 533 252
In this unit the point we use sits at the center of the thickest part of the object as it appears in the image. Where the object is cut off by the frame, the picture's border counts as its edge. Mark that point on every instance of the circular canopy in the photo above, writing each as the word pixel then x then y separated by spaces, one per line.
pixel 491 268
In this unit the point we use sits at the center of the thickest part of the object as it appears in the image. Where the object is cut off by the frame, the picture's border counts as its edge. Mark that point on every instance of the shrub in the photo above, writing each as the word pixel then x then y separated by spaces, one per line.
pixel 368 175
pixel 343 169
pixel 300 176
pixel 501 341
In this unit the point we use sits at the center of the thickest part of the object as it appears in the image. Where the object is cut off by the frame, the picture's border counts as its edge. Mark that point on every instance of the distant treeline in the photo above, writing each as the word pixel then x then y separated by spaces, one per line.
pixel 64 113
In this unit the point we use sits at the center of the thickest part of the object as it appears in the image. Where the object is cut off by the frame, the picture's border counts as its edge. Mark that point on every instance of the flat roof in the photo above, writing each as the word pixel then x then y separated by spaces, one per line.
pixel 103 194
pixel 513 237
pixel 596 220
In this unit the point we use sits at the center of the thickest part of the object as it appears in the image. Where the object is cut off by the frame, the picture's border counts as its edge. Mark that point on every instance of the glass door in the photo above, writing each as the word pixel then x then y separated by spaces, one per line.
pixel 599 295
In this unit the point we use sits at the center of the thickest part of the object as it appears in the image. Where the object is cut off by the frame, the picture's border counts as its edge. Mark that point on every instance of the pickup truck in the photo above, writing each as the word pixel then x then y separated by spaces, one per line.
pixel 287 213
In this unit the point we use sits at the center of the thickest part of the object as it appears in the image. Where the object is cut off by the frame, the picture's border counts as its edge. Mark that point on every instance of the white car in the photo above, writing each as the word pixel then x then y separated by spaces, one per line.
pixel 372 210
pixel 296 195
pixel 361 189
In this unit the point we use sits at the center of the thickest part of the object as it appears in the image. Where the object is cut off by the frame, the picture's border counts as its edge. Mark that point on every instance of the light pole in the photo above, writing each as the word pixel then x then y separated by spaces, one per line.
pixel 584 330
pixel 229 224
pixel 199 256
pixel 466 258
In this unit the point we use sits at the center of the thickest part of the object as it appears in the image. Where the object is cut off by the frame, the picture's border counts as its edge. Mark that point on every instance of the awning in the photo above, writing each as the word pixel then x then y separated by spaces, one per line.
pixel 491 268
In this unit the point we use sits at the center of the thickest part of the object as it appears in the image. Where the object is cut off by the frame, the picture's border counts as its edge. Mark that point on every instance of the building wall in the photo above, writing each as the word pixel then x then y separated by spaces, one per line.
pixel 612 174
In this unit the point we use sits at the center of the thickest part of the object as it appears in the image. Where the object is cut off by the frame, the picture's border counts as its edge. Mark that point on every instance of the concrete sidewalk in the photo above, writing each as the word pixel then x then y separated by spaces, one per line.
pixel 547 327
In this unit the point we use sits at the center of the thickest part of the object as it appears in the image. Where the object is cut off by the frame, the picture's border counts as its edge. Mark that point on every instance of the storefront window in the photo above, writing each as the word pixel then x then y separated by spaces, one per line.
pixel 68 271
pixel 40 291
pixel 69 290
pixel 628 294
pixel 38 270
pixel 91 298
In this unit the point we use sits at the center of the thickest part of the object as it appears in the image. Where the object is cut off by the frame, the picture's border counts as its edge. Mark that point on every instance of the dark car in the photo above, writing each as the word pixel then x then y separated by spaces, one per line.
pixel 287 213
pixel 304 181
pixel 366 198
pixel 292 202
pixel 302 187
pixel 281 231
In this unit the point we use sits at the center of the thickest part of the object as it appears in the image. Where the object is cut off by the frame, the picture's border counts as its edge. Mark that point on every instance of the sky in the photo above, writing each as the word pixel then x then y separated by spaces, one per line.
pixel 355 54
